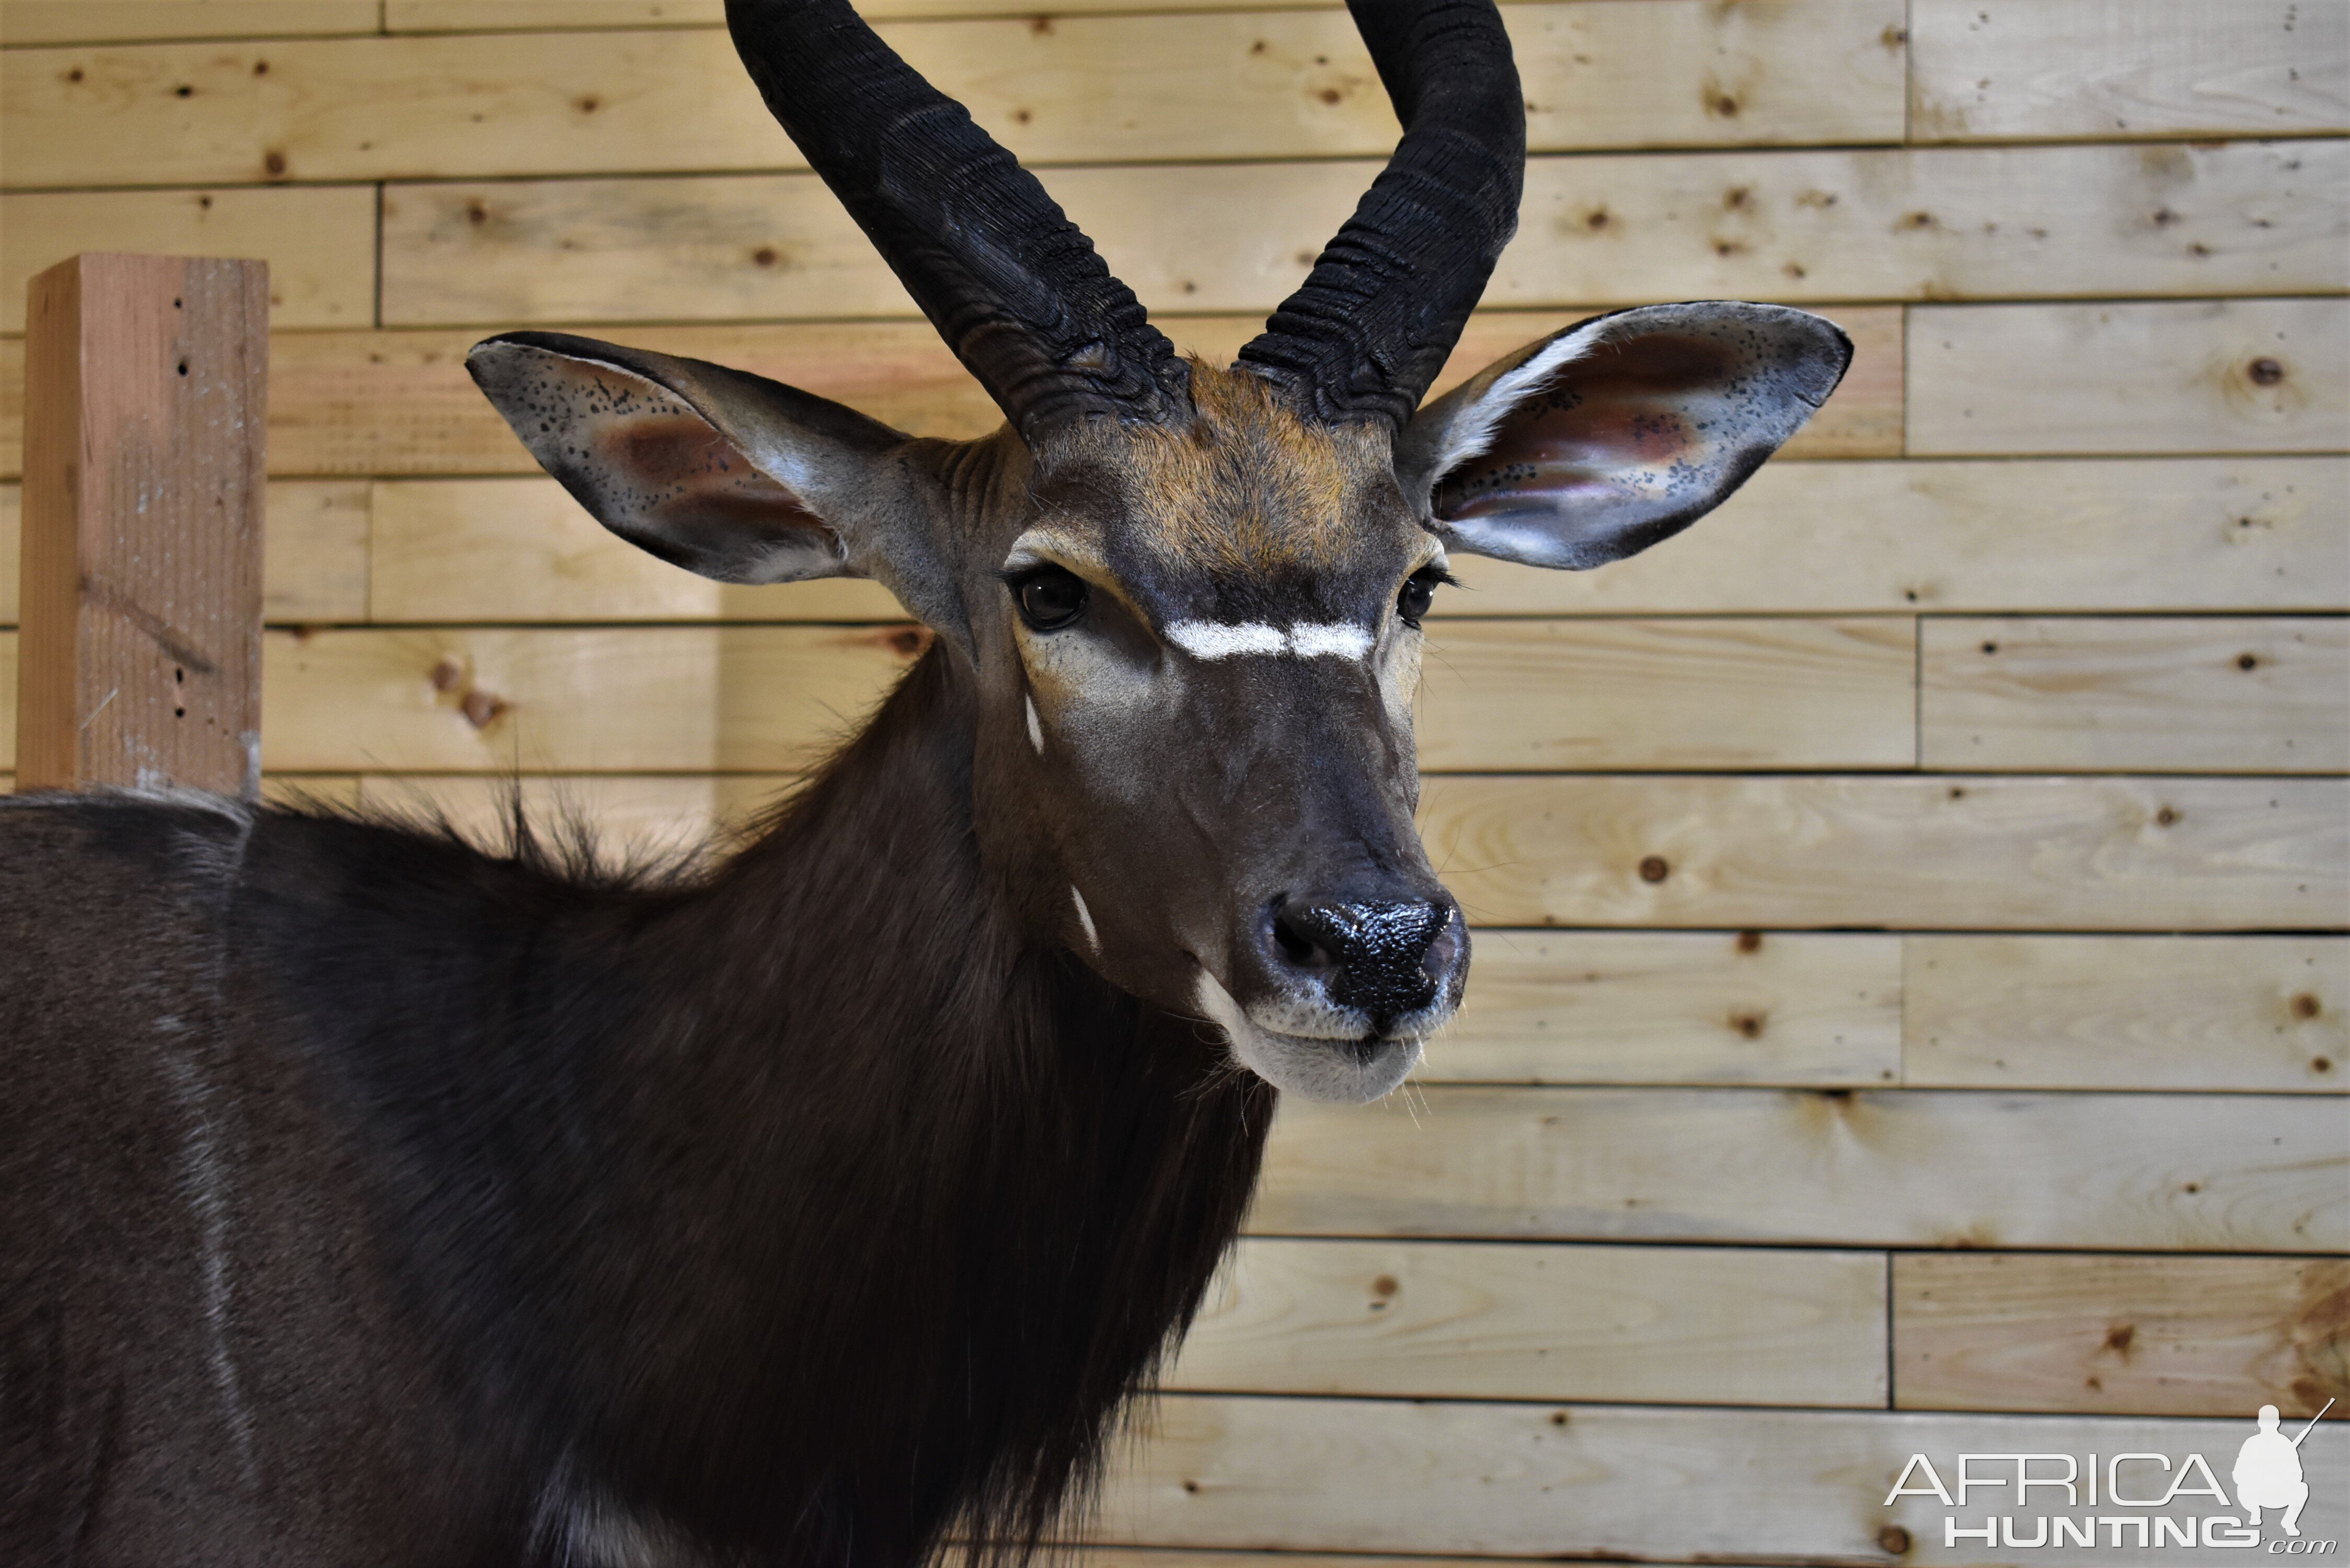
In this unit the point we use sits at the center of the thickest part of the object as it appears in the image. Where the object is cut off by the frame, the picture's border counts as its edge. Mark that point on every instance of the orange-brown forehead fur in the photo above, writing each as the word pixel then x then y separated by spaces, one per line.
pixel 1248 488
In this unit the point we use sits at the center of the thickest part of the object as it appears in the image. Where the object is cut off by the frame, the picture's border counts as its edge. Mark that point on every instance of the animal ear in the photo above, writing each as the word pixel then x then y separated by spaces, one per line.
pixel 1597 442
pixel 725 474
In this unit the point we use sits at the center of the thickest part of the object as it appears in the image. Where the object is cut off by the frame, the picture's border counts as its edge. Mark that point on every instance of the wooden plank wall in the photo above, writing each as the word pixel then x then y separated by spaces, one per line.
pixel 1910 1011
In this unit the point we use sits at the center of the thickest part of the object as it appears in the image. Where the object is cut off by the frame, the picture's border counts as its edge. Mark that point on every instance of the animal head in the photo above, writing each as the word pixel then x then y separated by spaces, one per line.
pixel 1187 599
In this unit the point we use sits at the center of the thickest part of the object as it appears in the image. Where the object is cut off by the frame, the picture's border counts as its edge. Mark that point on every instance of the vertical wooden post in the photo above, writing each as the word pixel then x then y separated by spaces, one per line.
pixel 139 648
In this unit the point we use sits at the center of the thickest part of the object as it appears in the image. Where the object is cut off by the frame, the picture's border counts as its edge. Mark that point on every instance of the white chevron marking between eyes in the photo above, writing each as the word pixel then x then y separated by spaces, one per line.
pixel 1212 639
pixel 1336 638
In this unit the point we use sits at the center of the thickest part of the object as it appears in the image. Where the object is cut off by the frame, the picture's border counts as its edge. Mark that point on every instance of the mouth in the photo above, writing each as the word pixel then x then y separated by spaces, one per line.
pixel 1330 1065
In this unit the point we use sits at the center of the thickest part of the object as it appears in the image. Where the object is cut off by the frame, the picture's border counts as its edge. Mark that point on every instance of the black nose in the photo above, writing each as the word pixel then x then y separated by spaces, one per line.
pixel 1388 959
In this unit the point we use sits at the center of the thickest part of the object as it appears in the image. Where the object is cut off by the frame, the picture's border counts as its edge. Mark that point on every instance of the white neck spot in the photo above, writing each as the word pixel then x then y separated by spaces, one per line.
pixel 1085 919
pixel 1036 730
pixel 1215 639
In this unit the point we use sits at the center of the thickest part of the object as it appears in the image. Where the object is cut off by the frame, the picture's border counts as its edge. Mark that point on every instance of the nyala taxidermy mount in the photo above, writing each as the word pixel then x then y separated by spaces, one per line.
pixel 373 1198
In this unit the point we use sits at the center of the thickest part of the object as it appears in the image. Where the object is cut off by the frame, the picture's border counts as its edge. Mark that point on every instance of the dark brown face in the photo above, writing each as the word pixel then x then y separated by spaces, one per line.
pixel 1199 652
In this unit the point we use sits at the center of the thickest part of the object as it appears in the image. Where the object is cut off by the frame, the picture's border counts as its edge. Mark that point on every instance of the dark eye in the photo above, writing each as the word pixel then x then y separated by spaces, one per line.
pixel 1050 597
pixel 1419 592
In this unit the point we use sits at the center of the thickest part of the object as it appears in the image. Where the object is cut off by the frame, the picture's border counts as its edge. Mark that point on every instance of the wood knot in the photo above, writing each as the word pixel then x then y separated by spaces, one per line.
pixel 1653 868
pixel 447 675
pixel 1749 1024
pixel 2120 1338
pixel 2247 661
pixel 2166 816
pixel 1190 1485
pixel 1330 95
pixel 765 256
pixel 2264 372
pixel 1385 1285
pixel 2306 1005
pixel 274 161
pixel 1894 1539
pixel 1991 648
pixel 1597 219
pixel 589 104
pixel 2321 1064
pixel 482 709
pixel 1558 1417
pixel 74 75
pixel 184 90
pixel 908 641
pixel 1750 942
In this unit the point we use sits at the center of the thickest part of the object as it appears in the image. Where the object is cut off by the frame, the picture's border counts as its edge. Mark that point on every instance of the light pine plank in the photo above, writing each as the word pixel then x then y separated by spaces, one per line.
pixel 2119 1334
pixel 678 698
pixel 2216 376
pixel 1177 1557
pixel 313 551
pixel 1949 853
pixel 310 791
pixel 1676 1007
pixel 1065 88
pixel 1821 537
pixel 2217 1173
pixel 1802 227
pixel 1576 1482
pixel 1538 695
pixel 654 698
pixel 1707 1326
pixel 2127 1012
pixel 2012 70
pixel 650 816
pixel 319 242
pixel 24 22
pixel 536 16
pixel 399 404
pixel 2183 533
pixel 523 550
pixel 2137 694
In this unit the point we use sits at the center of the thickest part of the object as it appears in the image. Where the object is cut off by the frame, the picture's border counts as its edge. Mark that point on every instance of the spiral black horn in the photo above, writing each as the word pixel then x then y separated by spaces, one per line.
pixel 1386 302
pixel 1014 288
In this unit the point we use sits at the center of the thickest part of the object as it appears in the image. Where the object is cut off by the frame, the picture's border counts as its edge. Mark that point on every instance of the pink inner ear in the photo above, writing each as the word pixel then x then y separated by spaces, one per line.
pixel 1625 423
pixel 687 470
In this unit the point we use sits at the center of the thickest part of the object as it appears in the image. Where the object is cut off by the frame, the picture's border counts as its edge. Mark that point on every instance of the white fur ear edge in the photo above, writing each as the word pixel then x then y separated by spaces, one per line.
pixel 1471 431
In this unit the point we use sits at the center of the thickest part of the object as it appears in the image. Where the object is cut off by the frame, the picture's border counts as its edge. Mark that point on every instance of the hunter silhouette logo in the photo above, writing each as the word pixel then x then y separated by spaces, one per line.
pixel 2268 1471
pixel 2122 1494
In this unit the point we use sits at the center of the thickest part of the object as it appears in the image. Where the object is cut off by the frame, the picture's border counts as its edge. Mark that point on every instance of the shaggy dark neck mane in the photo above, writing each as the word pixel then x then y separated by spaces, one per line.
pixel 770 1196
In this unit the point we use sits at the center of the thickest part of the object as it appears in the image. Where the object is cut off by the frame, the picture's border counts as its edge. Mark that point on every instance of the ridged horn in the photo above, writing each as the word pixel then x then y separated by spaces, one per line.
pixel 1386 301
pixel 1014 288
